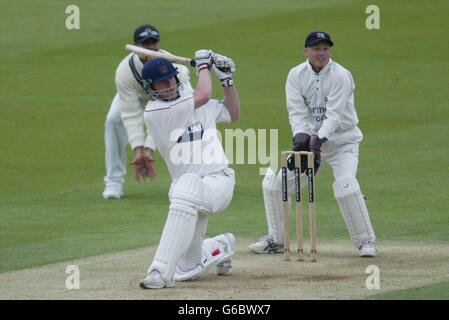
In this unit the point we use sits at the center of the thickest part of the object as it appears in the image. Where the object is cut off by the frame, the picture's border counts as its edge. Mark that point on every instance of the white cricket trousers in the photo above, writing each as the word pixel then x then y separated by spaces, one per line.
pixel 116 140
pixel 343 159
pixel 218 190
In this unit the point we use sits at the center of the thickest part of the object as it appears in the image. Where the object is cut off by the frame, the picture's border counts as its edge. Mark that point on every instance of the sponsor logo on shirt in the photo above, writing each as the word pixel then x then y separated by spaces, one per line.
pixel 319 113
pixel 192 133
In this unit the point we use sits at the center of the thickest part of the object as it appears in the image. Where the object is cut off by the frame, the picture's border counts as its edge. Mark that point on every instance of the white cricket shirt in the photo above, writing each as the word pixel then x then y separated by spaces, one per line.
pixel 322 103
pixel 187 137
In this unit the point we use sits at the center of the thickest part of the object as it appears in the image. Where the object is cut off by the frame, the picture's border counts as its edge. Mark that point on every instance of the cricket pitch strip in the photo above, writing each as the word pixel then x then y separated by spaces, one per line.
pixel 339 273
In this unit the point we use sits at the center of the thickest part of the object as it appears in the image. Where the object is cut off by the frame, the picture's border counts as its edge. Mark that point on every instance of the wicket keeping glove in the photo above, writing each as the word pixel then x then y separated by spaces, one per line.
pixel 315 147
pixel 300 143
pixel 315 143
pixel 305 142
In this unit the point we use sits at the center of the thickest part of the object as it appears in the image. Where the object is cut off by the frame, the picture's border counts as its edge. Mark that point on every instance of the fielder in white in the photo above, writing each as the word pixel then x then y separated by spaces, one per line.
pixel 124 123
pixel 183 125
pixel 320 104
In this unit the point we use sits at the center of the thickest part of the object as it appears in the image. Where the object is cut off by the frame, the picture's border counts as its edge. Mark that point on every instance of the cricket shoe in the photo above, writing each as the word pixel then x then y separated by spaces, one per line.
pixel 113 192
pixel 266 244
pixel 192 274
pixel 216 251
pixel 154 281
pixel 224 267
pixel 368 249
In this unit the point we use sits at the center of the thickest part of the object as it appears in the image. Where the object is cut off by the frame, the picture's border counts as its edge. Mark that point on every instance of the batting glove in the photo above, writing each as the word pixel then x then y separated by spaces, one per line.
pixel 224 75
pixel 223 62
pixel 203 60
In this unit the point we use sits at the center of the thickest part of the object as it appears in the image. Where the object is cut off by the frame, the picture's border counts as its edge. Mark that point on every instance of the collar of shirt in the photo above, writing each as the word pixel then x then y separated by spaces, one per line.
pixel 138 63
pixel 322 71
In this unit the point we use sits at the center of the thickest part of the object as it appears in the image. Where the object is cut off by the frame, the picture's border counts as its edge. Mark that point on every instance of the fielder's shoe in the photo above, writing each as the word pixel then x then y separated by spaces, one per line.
pixel 216 251
pixel 368 249
pixel 154 281
pixel 266 244
pixel 113 192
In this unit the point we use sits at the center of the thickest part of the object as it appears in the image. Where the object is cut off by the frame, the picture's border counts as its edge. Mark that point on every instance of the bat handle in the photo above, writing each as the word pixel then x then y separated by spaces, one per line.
pixel 192 63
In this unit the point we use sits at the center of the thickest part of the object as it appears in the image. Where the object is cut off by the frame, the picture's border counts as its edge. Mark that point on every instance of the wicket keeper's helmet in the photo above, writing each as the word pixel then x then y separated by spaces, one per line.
pixel 155 70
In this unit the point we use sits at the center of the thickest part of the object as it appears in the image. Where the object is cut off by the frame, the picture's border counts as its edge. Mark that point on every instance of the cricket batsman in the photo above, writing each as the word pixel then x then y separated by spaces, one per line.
pixel 183 125
pixel 320 104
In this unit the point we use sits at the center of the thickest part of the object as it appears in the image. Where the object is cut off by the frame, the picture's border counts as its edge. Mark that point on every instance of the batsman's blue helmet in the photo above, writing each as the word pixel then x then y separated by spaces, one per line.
pixel 156 70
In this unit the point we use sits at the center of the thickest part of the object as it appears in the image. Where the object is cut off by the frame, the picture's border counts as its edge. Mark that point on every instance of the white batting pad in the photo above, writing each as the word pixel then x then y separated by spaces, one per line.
pixel 180 225
pixel 193 254
pixel 353 209
pixel 271 186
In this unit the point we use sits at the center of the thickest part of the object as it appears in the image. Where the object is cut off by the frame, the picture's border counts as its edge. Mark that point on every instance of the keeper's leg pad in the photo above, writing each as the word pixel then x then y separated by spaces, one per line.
pixel 180 225
pixel 353 209
pixel 272 197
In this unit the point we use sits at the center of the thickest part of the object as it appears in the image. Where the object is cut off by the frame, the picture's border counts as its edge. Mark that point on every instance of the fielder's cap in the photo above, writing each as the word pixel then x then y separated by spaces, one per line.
pixel 145 32
pixel 316 37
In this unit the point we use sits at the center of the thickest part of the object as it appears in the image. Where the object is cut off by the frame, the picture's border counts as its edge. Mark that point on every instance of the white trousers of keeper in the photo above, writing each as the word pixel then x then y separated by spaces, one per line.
pixel 344 161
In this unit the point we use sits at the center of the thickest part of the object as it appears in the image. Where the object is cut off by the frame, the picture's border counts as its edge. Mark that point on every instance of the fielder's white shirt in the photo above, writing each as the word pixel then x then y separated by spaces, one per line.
pixel 322 103
pixel 133 98
pixel 187 137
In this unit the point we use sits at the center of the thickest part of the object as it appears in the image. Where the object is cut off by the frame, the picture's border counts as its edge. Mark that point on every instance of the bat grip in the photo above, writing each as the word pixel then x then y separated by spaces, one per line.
pixel 192 63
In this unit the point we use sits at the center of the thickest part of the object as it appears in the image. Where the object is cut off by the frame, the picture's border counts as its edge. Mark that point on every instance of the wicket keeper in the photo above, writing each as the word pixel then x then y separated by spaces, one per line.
pixel 320 104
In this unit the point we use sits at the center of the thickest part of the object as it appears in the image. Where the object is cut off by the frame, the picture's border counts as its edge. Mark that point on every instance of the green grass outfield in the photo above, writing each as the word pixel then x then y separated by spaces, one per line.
pixel 438 291
pixel 57 85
